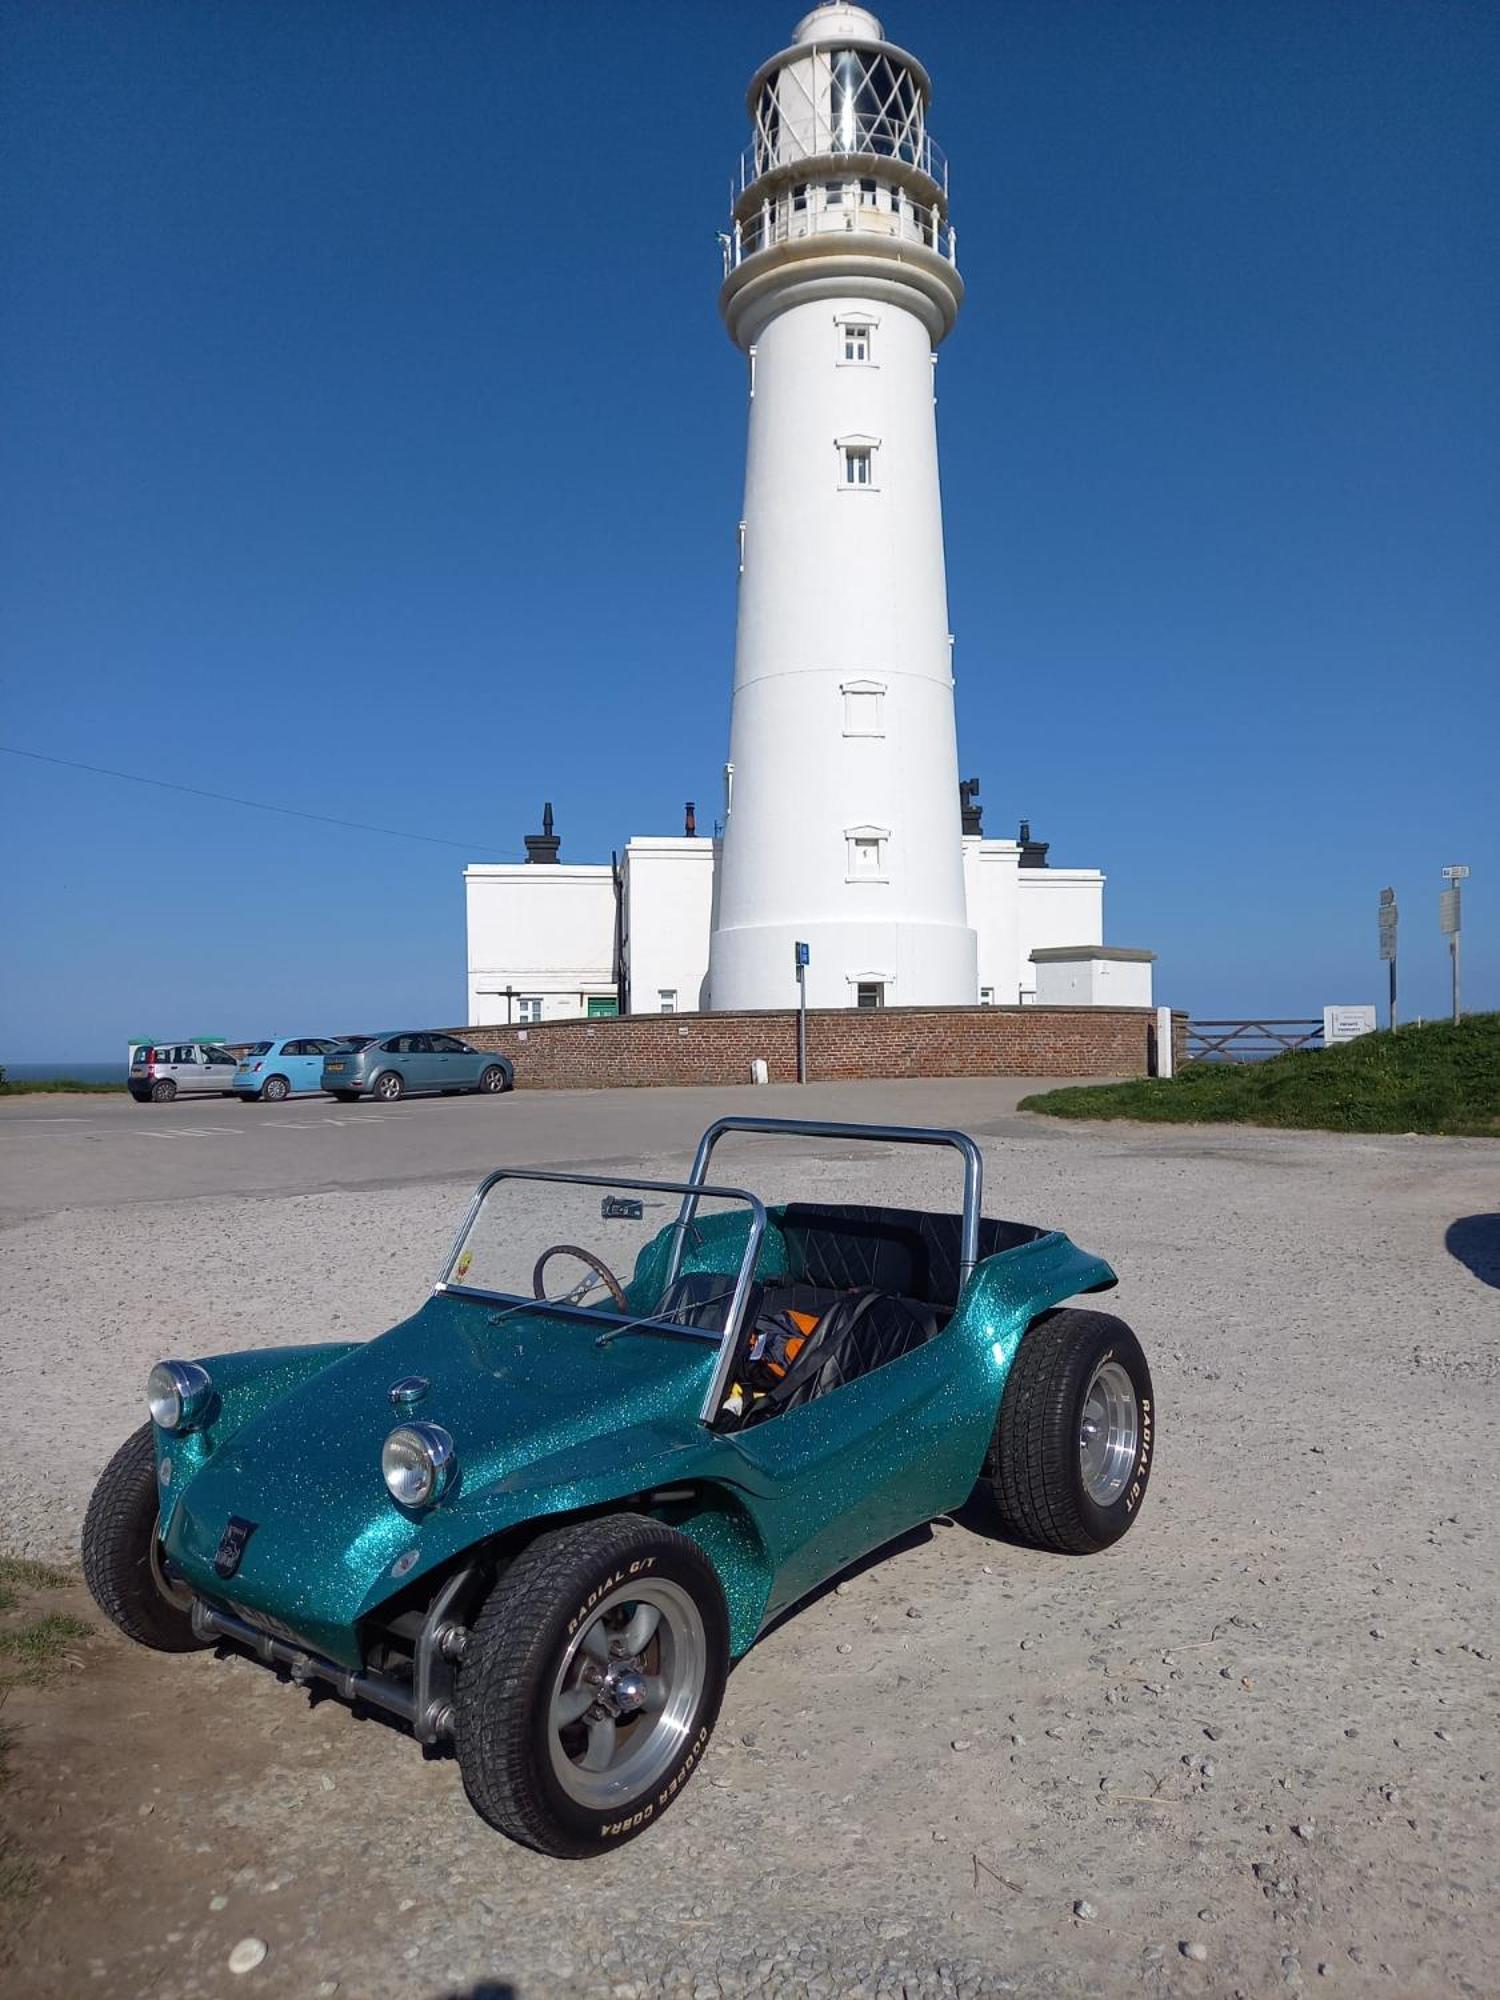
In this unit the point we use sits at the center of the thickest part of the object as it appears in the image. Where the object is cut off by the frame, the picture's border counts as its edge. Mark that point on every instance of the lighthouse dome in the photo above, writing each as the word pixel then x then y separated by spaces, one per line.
pixel 834 21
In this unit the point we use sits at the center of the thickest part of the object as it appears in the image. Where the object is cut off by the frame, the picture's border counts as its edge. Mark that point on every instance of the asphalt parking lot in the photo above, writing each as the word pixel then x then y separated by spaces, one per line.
pixel 92 1152
pixel 1254 1749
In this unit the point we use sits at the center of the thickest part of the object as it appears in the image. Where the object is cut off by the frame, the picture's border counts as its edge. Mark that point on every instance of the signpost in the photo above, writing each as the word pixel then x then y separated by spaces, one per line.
pixel 1386 916
pixel 803 958
pixel 1450 921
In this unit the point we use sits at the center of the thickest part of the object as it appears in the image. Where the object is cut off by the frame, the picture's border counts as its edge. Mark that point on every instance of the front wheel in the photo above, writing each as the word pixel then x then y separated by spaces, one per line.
pixel 121 1557
pixel 390 1086
pixel 591 1682
pixel 1076 1433
pixel 492 1079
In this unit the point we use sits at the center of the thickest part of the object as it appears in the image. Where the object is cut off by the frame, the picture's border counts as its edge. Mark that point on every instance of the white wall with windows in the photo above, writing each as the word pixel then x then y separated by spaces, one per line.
pixel 669 899
pixel 541 941
pixel 541 938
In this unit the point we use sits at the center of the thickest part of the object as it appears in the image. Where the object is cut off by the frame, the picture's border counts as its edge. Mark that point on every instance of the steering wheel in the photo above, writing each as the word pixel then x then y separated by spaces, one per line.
pixel 595 1264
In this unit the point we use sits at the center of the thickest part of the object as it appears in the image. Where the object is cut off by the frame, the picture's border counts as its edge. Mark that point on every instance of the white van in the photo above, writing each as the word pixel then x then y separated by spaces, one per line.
pixel 160 1071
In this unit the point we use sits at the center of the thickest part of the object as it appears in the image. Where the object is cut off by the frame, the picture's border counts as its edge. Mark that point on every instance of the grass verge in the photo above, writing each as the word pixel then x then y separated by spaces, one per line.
pixel 68 1085
pixel 1434 1079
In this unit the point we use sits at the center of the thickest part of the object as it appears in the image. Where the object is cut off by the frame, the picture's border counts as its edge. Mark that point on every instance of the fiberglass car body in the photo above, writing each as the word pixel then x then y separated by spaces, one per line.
pixel 543 1525
pixel 391 1065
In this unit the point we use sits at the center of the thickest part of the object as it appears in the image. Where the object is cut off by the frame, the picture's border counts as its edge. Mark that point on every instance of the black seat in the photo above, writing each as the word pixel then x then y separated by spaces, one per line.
pixel 857 1334
pixel 900 1250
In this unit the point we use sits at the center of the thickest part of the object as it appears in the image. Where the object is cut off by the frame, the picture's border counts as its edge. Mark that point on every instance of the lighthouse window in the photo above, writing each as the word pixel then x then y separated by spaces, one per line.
pixel 856 343
pixel 863 708
pixel 867 853
pixel 858 464
pixel 869 994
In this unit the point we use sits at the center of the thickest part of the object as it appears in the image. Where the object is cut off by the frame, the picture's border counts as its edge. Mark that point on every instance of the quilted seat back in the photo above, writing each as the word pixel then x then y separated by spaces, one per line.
pixel 845 1246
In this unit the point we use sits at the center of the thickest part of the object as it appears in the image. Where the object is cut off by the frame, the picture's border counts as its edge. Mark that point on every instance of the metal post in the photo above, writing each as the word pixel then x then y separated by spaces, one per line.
pixel 1453 948
pixel 802 956
pixel 1451 919
pixel 1393 995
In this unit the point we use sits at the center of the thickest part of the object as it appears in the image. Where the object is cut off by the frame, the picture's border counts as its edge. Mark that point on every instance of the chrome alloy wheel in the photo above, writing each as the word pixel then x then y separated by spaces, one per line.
pixel 1109 1434
pixel 626 1692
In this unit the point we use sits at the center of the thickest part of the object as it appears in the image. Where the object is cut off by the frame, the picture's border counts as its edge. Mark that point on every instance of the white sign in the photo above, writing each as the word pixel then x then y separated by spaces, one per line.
pixel 1450 915
pixel 1346 1024
pixel 1455 874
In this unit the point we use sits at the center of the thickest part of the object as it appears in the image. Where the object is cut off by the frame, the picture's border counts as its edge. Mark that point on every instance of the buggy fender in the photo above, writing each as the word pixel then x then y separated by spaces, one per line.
pixel 245 1384
pixel 621 1470
pixel 1006 1294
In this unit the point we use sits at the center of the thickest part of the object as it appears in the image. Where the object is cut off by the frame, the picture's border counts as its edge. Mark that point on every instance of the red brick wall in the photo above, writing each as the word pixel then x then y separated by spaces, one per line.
pixel 841 1043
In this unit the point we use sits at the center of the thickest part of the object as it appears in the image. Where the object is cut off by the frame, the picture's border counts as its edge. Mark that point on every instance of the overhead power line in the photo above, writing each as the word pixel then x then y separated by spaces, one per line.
pixel 470 847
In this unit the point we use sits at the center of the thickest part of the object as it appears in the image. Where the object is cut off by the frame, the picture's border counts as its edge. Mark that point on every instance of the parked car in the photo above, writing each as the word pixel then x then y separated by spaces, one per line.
pixel 160 1071
pixel 392 1065
pixel 285 1068
pixel 541 1516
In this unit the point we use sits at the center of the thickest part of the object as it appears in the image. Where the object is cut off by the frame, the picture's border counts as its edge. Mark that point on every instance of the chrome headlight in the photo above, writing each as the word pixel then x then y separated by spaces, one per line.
pixel 178 1394
pixel 418 1462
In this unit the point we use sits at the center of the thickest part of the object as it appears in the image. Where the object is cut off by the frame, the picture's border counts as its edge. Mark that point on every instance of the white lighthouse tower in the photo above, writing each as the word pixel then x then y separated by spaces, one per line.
pixel 842 824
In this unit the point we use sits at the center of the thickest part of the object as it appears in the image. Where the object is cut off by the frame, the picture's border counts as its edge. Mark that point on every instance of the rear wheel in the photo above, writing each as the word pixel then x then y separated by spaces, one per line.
pixel 163 1090
pixel 275 1088
pixel 121 1555
pixel 1076 1433
pixel 493 1078
pixel 590 1684
pixel 390 1085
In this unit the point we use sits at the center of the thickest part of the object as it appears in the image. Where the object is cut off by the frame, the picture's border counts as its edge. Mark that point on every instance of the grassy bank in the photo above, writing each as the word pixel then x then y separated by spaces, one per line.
pixel 24 1086
pixel 1436 1078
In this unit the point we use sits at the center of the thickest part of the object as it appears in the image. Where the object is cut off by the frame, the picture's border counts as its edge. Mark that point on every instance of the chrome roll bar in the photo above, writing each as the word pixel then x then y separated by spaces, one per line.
pixel 818 1128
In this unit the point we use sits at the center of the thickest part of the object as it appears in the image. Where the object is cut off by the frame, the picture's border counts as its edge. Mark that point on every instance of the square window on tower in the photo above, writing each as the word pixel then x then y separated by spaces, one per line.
pixel 864 707
pixel 867 854
pixel 859 467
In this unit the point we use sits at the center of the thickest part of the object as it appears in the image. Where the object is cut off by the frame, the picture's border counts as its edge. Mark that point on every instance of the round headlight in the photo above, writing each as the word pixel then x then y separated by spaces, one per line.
pixel 178 1394
pixel 418 1463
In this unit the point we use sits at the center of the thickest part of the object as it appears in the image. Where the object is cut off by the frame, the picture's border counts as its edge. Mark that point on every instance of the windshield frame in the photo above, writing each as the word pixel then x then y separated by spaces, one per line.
pixel 690 1191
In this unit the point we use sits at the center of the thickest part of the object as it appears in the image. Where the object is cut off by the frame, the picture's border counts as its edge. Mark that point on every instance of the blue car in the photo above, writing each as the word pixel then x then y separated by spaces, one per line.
pixel 290 1067
pixel 389 1066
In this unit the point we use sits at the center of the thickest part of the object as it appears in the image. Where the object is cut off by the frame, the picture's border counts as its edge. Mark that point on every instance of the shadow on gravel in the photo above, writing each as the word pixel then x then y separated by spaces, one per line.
pixel 487 1989
pixel 1475 1241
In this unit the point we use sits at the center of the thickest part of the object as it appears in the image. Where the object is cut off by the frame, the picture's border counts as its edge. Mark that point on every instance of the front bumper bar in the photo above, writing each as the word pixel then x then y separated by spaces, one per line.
pixel 424 1703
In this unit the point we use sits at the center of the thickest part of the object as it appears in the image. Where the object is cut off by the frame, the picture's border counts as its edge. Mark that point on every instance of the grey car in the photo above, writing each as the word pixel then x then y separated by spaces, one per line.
pixel 395 1065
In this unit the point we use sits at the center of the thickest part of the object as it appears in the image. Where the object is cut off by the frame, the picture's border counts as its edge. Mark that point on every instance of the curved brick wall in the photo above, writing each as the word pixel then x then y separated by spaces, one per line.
pixel 639 1049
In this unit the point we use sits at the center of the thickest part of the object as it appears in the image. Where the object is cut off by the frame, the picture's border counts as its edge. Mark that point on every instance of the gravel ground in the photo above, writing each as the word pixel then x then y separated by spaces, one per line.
pixel 1253 1749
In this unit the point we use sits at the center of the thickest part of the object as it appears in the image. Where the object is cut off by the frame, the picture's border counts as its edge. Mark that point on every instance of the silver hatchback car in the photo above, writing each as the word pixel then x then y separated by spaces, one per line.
pixel 393 1066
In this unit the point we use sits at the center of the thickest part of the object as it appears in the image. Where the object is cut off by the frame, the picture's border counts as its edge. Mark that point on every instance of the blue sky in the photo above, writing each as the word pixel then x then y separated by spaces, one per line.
pixel 372 447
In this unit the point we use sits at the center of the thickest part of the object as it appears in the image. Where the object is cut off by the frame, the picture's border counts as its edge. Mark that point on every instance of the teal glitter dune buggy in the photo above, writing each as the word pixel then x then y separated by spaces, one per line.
pixel 542 1522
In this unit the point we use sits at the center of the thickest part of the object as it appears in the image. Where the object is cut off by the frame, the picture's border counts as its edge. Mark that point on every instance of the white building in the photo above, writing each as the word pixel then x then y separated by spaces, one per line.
pixel 840 280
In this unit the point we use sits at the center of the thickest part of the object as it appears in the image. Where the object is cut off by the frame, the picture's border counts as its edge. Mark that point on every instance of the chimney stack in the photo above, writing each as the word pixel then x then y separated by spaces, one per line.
pixel 543 846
